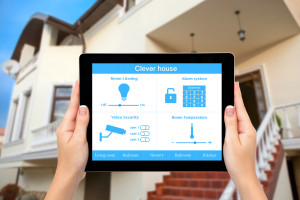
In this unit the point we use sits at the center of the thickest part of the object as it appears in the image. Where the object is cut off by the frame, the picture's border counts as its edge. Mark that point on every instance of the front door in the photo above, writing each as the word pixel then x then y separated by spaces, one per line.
pixel 97 186
pixel 253 95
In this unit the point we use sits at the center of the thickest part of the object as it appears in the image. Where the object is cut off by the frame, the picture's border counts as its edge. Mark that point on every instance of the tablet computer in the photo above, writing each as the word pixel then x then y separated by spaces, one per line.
pixel 156 112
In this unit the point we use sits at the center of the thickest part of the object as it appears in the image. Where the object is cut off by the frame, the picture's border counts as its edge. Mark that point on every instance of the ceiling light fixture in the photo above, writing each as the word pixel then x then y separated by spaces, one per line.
pixel 241 32
pixel 193 46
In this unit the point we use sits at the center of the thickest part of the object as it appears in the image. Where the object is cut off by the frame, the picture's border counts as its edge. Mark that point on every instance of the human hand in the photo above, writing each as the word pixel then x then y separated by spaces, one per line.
pixel 72 149
pixel 72 146
pixel 240 148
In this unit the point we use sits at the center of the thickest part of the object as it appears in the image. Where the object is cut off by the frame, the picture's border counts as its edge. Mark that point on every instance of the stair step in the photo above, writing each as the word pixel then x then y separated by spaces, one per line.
pixel 151 194
pixel 275 155
pixel 265 185
pixel 222 175
pixel 272 164
pixel 269 174
pixel 197 182
pixel 278 147
pixel 166 177
pixel 170 197
pixel 192 192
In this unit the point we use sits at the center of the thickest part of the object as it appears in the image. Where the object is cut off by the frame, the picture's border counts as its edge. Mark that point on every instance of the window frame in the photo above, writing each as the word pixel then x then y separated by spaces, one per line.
pixel 55 98
pixel 16 118
pixel 28 97
pixel 12 124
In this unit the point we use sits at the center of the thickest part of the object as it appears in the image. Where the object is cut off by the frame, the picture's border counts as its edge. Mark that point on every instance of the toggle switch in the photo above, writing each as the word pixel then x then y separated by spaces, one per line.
pixel 145 127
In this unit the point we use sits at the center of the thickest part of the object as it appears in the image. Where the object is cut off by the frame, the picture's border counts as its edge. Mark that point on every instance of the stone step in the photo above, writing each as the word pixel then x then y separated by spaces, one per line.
pixel 192 192
pixel 221 175
pixel 197 182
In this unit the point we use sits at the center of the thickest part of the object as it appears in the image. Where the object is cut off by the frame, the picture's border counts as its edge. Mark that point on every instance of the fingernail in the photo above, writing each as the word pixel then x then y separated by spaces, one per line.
pixel 229 110
pixel 82 110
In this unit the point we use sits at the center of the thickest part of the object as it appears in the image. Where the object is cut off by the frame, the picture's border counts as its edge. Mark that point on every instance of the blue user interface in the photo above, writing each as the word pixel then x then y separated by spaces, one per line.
pixel 157 111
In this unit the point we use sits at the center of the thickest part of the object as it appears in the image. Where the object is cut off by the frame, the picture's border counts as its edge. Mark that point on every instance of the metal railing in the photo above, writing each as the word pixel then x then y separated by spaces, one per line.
pixel 44 138
pixel 267 137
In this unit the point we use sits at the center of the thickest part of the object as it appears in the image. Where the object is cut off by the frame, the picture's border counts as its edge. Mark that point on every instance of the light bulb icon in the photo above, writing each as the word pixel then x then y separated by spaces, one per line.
pixel 124 89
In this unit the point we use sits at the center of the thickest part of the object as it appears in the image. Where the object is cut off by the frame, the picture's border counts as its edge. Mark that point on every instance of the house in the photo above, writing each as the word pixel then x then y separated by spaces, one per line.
pixel 267 68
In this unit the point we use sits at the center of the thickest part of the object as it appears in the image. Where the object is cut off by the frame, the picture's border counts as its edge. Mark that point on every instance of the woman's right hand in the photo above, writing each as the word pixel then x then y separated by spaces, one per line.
pixel 240 149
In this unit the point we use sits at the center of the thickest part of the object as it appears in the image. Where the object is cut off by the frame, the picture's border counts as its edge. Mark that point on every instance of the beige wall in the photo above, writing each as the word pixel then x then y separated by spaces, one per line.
pixel 294 7
pixel 133 185
pixel 283 188
pixel 128 33
pixel 282 68
pixel 40 179
pixel 8 175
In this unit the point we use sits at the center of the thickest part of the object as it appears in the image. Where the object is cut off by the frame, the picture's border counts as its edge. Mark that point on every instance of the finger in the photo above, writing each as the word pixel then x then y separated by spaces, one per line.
pixel 82 122
pixel 231 125
pixel 244 121
pixel 69 121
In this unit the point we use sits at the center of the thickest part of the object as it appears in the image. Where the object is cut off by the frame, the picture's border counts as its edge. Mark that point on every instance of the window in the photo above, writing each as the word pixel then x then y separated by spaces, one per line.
pixel 61 99
pixel 25 114
pixel 17 117
pixel 13 119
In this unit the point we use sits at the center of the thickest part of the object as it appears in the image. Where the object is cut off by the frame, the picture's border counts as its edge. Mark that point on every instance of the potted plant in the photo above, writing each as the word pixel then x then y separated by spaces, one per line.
pixel 279 123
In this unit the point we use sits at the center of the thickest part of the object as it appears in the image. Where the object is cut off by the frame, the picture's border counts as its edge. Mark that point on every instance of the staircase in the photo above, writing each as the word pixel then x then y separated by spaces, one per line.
pixel 190 186
pixel 269 185
pixel 209 185
pixel 217 185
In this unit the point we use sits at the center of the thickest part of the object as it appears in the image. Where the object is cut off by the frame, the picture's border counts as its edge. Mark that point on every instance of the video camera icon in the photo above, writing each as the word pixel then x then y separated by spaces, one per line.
pixel 112 129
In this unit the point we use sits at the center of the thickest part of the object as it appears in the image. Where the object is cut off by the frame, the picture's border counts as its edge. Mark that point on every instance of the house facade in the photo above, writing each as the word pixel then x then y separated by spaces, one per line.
pixel 267 68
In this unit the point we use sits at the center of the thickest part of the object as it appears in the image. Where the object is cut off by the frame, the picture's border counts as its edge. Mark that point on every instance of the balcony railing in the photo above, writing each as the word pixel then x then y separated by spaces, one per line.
pixel 267 137
pixel 27 68
pixel 44 138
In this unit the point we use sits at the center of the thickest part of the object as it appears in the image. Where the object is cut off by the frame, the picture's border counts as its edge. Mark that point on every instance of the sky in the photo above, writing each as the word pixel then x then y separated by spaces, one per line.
pixel 14 16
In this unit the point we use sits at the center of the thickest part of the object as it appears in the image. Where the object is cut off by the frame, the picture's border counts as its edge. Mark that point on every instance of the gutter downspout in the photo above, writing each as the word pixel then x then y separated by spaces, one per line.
pixel 82 37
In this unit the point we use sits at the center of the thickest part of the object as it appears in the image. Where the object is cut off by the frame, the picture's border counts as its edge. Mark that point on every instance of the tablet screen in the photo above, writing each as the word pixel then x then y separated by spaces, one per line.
pixel 157 111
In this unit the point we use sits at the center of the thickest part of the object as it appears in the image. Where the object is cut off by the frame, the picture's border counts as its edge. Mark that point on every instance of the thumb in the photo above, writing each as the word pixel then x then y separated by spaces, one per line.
pixel 231 124
pixel 82 121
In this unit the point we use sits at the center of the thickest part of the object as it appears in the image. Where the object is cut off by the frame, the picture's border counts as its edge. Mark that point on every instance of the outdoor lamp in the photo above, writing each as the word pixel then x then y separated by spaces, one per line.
pixel 241 32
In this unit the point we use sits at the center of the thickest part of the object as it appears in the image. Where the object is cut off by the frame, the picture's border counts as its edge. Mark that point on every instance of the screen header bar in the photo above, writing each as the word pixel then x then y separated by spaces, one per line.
pixel 157 68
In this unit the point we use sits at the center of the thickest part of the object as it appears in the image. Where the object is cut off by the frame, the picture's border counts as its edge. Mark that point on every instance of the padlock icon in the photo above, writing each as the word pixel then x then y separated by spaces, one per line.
pixel 170 98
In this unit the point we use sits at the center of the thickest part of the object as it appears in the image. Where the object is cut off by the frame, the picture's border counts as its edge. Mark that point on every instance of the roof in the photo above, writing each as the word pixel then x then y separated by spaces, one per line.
pixel 32 32
pixel 2 131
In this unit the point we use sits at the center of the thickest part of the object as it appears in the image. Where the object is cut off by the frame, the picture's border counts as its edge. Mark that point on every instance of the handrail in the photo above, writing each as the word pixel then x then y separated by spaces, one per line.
pixel 261 129
pixel 46 126
pixel 45 137
pixel 296 103
pixel 267 137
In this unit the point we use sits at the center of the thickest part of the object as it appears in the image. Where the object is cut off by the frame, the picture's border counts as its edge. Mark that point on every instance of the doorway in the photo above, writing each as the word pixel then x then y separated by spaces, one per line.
pixel 253 95
pixel 97 186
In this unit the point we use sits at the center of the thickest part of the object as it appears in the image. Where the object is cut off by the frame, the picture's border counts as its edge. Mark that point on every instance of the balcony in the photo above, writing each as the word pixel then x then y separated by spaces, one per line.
pixel 290 115
pixel 215 26
pixel 44 138
pixel 27 68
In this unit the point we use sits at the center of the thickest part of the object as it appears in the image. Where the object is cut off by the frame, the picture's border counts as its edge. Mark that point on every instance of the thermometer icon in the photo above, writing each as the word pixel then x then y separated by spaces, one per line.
pixel 192 131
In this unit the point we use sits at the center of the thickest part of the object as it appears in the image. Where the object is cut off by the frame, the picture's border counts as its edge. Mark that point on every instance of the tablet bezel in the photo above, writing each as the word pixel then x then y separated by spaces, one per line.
pixel 86 60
